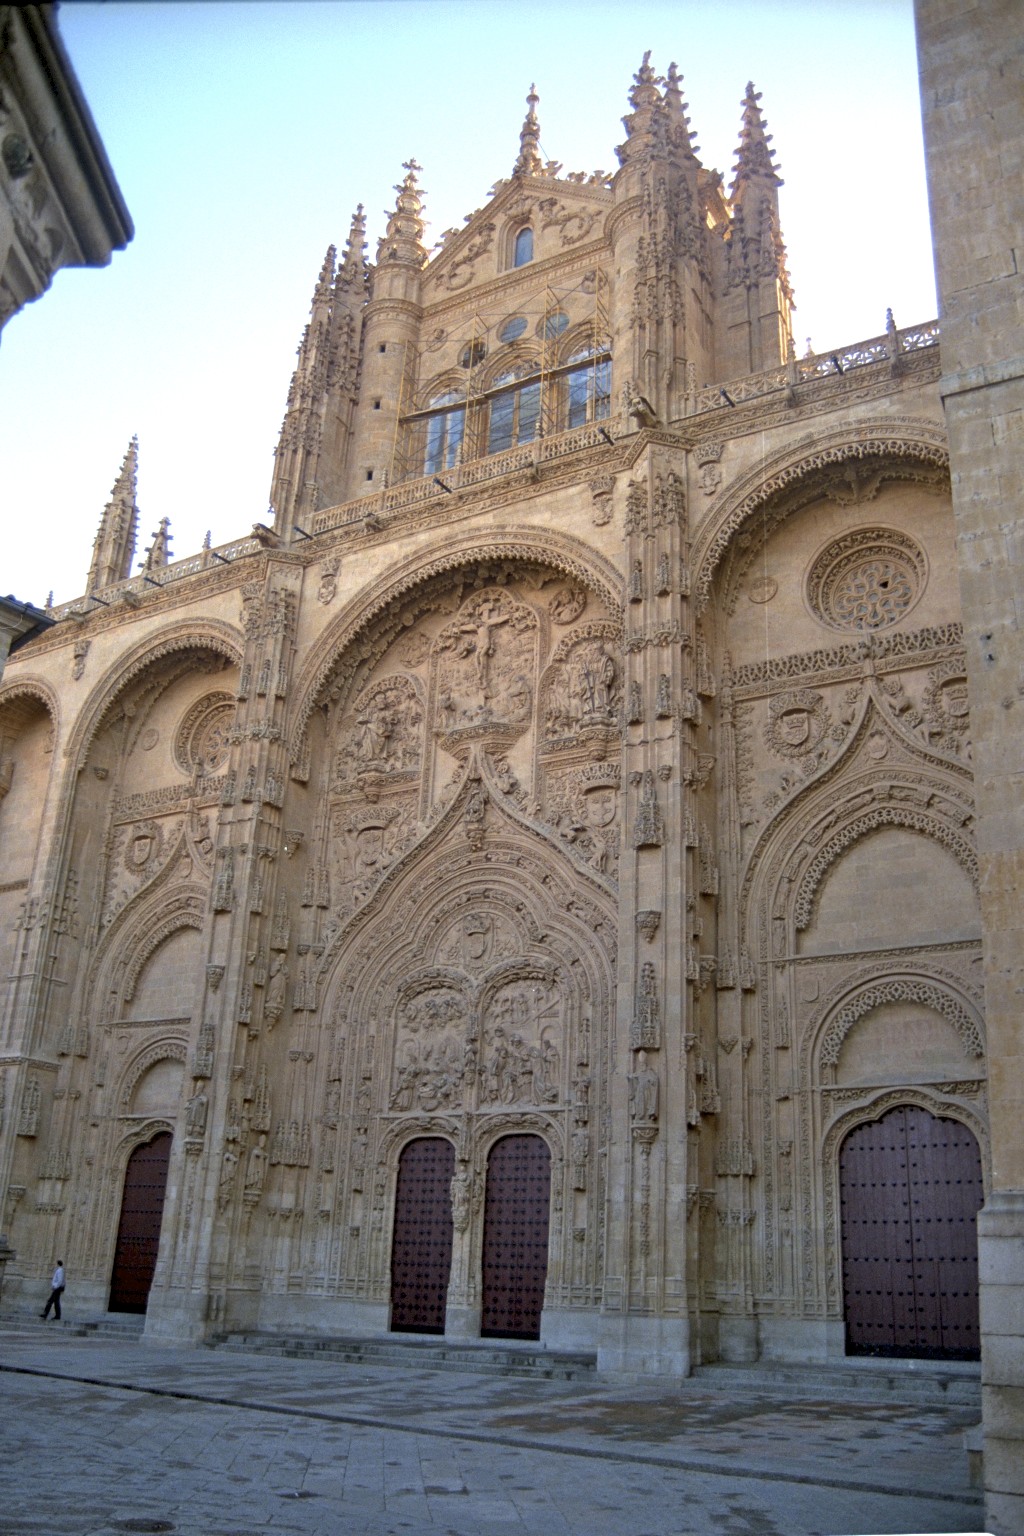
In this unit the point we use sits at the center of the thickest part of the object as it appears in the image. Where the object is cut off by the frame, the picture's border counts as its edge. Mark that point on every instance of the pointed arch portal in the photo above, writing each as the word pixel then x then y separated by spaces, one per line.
pixel 138 1231
pixel 910 1190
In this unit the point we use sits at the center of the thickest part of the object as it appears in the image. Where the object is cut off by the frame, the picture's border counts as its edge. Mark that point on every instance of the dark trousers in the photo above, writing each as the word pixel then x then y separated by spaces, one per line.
pixel 54 1302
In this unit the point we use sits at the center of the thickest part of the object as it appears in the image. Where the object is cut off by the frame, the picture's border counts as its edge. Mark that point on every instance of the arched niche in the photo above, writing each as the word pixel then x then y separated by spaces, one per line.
pixel 157 1091
pixel 892 881
pixel 166 984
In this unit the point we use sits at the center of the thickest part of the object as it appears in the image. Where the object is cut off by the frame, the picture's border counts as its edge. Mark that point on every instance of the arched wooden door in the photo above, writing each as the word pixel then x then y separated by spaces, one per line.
pixel 421 1247
pixel 515 1254
pixel 910 1191
pixel 138 1231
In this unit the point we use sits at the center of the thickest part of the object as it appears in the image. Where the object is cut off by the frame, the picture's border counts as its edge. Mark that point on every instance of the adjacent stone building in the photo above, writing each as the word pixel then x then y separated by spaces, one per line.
pixel 60 205
pixel 531 888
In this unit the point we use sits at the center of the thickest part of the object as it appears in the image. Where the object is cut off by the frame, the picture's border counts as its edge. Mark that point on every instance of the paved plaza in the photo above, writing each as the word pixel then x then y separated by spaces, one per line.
pixel 103 1436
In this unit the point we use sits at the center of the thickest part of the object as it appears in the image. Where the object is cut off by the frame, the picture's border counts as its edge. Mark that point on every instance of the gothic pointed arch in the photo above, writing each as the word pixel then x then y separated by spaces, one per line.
pixel 876 451
pixel 472 996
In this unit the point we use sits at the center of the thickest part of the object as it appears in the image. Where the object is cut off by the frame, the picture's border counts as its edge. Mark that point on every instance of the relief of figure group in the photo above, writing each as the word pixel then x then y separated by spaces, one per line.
pixel 444 1053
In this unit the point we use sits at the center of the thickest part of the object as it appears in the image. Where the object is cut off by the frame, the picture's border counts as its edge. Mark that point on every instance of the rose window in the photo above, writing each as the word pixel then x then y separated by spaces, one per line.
pixel 202 742
pixel 866 580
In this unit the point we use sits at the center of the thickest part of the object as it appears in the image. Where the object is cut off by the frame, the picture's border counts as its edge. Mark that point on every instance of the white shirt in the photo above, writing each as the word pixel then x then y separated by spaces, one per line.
pixel 58 1278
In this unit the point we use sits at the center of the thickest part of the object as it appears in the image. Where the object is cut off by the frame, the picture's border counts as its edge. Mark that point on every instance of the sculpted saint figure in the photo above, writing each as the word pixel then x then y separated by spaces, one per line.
pixel 643 1092
pixel 195 1114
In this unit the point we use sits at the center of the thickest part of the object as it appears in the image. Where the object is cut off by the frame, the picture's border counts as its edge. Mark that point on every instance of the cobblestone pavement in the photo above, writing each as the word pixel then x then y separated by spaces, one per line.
pixel 101 1437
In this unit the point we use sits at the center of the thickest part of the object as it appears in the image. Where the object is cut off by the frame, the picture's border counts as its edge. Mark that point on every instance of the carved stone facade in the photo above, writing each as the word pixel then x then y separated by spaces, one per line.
pixel 598 777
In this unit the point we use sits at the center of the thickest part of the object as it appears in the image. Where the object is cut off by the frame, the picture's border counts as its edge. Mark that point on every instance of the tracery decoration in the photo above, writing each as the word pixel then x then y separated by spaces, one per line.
pixel 209 635
pixel 201 742
pixel 867 579
pixel 899 989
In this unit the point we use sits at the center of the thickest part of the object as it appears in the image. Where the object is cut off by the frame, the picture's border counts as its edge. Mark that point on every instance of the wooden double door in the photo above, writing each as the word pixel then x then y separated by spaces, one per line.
pixel 515 1237
pixel 910 1191
pixel 138 1229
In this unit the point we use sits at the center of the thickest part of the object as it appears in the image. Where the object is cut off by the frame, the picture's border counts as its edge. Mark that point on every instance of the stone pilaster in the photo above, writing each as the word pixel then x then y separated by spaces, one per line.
pixel 974 122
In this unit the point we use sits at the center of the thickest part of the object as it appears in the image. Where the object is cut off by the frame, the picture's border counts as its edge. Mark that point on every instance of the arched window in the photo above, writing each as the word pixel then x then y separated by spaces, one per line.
pixel 515 417
pixel 522 248
pixel 445 431
pixel 588 395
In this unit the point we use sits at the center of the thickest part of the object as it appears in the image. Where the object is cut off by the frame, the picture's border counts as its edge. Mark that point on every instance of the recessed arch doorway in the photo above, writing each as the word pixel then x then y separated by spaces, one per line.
pixel 910 1189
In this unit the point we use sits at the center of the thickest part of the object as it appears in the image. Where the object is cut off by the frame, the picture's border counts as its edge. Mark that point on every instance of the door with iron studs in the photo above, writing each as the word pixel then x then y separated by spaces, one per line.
pixel 910 1191
pixel 515 1240
pixel 421 1247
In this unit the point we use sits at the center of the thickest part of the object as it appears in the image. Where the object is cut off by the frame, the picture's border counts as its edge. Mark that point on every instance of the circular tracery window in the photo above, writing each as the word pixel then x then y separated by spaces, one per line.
pixel 202 739
pixel 866 580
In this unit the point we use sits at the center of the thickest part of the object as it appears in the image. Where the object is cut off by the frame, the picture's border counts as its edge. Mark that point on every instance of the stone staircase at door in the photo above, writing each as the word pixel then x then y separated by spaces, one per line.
pixel 492 1357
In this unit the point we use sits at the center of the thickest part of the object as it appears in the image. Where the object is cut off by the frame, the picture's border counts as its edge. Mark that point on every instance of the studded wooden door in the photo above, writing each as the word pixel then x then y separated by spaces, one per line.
pixel 421 1248
pixel 138 1231
pixel 910 1190
pixel 515 1256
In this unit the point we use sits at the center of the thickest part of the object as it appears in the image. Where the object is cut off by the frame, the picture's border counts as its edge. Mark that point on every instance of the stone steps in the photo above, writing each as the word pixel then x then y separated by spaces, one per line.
pixel 913 1381
pixel 492 1358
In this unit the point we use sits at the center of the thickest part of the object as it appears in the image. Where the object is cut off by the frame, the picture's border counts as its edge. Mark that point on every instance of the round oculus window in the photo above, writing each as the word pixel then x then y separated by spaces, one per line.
pixel 867 580
pixel 513 328
pixel 553 325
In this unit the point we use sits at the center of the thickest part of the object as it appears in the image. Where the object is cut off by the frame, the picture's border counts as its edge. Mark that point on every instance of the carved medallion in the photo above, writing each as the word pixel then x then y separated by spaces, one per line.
pixel 868 579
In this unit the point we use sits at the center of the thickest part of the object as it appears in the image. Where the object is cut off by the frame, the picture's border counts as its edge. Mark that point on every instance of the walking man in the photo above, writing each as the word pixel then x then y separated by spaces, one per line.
pixel 56 1291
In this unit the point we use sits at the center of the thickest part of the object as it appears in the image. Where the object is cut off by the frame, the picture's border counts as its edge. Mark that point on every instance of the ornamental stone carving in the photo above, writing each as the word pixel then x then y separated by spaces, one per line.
pixel 868 579
pixel 797 723
pixel 382 736
pixel 202 741
pixel 484 663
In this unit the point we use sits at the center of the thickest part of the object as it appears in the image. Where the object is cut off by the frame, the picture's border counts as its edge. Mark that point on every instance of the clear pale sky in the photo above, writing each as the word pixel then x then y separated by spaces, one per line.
pixel 243 135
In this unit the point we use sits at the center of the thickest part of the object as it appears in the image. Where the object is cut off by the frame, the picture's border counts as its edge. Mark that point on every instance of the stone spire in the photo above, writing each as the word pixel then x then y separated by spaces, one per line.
pixel 678 113
pixel 351 276
pixel 530 162
pixel 300 430
pixel 755 159
pixel 403 238
pixel 159 552
pixel 114 548
pixel 755 251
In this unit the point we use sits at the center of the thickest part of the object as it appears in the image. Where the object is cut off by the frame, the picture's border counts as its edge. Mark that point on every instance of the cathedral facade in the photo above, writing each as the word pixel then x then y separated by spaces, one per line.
pixel 528 889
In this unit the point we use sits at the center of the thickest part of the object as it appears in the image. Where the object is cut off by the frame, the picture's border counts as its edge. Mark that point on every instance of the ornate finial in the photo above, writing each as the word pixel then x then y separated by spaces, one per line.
pixel 530 161
pixel 127 475
pixel 678 108
pixel 403 239
pixel 159 552
pixel 755 159
pixel 645 91
pixel 208 540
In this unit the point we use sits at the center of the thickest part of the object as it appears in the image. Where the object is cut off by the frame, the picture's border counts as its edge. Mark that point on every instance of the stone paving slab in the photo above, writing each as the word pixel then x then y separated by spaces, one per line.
pixel 101 1437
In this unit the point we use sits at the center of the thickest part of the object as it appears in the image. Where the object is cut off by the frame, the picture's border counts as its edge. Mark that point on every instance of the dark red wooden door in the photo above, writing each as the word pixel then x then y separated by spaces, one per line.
pixel 515 1259
pixel 910 1190
pixel 421 1248
pixel 138 1231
